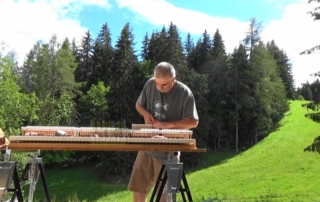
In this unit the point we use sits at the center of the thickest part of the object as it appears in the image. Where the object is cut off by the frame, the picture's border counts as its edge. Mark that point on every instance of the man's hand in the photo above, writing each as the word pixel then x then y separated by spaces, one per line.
pixel 159 124
pixel 148 118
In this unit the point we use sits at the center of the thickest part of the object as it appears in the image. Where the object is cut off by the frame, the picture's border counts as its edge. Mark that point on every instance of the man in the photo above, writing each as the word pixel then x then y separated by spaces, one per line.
pixel 166 104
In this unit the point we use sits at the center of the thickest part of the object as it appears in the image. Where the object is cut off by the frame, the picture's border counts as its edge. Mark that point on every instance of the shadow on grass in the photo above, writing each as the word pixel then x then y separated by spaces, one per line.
pixel 206 160
pixel 88 183
pixel 80 183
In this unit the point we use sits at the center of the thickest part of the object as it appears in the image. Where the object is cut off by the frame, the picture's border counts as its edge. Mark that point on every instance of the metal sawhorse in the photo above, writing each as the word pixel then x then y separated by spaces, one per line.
pixel 169 178
pixel 31 173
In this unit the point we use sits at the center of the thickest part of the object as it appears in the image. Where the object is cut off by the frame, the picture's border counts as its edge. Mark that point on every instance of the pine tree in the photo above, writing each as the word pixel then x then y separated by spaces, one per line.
pixel 84 60
pixel 27 78
pixel 63 74
pixel 174 50
pixel 145 48
pixel 305 91
pixel 269 90
pixel 158 46
pixel 188 46
pixel 102 58
pixel 124 91
pixel 285 68
pixel 252 38
pixel 43 73
pixel 125 87
pixel 63 87
pixel 167 46
pixel 201 53
pixel 51 71
pixel 218 48
pixel 243 99
pixel 198 85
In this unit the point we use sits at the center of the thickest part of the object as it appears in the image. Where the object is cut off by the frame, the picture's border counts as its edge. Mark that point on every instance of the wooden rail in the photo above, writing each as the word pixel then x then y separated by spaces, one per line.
pixel 102 147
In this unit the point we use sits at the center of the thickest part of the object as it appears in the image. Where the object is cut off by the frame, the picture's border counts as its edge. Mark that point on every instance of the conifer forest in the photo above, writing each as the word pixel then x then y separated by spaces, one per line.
pixel 240 96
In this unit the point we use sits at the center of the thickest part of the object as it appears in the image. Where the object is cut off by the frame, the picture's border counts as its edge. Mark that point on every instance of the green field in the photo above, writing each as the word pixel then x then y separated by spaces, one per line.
pixel 276 169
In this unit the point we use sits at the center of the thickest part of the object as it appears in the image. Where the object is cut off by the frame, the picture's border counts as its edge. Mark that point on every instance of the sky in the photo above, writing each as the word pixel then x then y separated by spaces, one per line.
pixel 287 22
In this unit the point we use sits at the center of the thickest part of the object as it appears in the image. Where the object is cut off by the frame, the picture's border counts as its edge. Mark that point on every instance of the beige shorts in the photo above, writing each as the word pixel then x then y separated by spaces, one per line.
pixel 144 173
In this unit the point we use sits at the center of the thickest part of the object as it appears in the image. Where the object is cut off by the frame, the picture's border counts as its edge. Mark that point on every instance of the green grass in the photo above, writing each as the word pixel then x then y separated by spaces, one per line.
pixel 276 169
pixel 82 183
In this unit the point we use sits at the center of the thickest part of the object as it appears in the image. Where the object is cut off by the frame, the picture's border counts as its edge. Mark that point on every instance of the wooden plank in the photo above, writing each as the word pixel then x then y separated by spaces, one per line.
pixel 103 147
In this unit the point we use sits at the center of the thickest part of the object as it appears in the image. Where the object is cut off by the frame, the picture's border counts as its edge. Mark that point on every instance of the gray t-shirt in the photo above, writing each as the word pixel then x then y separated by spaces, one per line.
pixel 174 105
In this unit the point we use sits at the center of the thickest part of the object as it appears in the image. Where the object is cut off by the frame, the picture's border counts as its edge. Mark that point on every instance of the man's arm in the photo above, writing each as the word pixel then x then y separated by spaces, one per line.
pixel 142 111
pixel 186 123
pixel 148 118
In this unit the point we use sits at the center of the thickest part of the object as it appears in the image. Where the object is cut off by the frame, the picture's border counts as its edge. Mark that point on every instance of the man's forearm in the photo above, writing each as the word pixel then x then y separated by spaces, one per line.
pixel 186 123
pixel 142 111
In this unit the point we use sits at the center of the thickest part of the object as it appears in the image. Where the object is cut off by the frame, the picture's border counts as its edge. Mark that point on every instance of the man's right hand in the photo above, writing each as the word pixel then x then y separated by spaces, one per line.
pixel 148 118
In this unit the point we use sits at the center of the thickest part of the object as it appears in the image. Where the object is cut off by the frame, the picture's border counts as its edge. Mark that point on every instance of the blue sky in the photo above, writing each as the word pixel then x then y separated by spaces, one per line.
pixel 285 21
pixel 93 16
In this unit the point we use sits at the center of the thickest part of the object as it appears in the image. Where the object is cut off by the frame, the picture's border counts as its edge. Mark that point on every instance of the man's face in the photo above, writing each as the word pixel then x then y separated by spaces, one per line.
pixel 165 84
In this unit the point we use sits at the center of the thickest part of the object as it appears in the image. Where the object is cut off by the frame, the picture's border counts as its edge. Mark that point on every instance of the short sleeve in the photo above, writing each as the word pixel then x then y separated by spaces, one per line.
pixel 142 97
pixel 190 109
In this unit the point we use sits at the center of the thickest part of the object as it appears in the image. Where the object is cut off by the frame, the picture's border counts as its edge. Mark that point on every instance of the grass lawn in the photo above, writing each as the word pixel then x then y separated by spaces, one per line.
pixel 276 169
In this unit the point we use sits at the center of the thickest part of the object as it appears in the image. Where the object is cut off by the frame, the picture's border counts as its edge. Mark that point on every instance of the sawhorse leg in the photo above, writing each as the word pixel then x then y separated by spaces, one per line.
pixel 185 189
pixel 31 173
pixel 162 178
pixel 9 173
pixel 171 174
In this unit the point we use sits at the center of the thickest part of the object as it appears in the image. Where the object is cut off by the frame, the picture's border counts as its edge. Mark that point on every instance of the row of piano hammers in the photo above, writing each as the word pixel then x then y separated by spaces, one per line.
pixel 137 130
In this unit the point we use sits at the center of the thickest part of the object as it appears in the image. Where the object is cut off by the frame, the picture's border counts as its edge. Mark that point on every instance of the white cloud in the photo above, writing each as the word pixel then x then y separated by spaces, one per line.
pixel 24 22
pixel 293 33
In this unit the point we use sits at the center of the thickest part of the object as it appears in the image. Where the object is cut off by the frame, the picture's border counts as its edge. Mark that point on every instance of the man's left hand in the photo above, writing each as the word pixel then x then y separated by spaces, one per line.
pixel 162 125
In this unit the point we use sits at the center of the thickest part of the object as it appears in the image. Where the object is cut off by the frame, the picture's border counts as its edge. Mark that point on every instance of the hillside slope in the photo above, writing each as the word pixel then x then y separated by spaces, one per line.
pixel 276 169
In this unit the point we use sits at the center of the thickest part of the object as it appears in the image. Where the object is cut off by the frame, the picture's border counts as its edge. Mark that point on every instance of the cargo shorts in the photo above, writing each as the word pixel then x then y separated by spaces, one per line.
pixel 145 173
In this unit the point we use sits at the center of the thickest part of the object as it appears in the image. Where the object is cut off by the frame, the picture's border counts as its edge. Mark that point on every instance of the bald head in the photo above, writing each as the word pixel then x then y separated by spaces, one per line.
pixel 164 69
pixel 164 76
